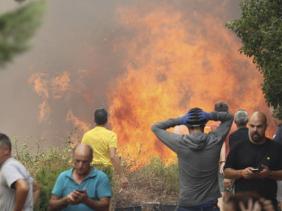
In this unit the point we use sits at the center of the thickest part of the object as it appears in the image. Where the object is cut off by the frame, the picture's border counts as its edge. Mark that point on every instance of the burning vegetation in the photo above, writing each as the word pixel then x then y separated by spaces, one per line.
pixel 170 59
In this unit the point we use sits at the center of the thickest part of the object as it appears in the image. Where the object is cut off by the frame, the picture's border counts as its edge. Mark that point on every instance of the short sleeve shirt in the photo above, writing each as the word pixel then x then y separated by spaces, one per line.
pixel 101 140
pixel 11 171
pixel 96 183
pixel 247 154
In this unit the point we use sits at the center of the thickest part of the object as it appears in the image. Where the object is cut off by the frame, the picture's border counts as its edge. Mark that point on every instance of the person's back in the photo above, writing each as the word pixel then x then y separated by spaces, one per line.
pixel 238 136
pixel 198 167
pixel 241 134
pixel 101 140
pixel 104 144
pixel 198 155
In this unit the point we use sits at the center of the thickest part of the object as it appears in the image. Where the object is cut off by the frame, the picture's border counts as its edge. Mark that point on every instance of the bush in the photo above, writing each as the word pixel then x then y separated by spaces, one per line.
pixel 45 167
pixel 156 182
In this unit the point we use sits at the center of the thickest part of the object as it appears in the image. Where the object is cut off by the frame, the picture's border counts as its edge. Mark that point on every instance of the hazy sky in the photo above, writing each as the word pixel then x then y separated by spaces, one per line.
pixel 75 37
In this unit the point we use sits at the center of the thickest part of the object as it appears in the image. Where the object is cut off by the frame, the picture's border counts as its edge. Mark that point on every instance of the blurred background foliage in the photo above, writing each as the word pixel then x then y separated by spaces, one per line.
pixel 17 28
pixel 260 30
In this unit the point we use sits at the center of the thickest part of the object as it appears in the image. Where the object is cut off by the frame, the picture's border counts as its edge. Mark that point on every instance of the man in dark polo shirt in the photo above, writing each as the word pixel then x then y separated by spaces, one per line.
pixel 241 134
pixel 256 164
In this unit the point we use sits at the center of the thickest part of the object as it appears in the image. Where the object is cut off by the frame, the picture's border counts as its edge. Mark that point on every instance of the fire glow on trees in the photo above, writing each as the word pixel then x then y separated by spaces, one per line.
pixel 173 61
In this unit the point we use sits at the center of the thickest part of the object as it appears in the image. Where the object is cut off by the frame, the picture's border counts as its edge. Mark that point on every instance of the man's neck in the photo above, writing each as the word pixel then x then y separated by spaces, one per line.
pixel 240 127
pixel 195 131
pixel 97 125
pixel 4 159
pixel 78 177
pixel 258 143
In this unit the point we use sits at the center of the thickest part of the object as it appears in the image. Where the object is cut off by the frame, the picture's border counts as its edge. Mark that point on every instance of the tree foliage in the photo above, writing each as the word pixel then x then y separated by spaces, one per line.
pixel 260 29
pixel 16 28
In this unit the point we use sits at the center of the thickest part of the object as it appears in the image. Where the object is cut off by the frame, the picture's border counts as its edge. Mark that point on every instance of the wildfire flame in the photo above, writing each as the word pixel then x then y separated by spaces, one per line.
pixel 46 88
pixel 175 63
pixel 41 88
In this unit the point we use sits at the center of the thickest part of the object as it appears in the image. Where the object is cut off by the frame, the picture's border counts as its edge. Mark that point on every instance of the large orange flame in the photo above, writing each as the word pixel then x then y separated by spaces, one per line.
pixel 41 88
pixel 174 63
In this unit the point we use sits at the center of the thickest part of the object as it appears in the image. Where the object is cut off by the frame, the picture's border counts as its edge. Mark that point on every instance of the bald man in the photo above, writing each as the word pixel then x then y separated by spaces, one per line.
pixel 82 187
pixel 256 164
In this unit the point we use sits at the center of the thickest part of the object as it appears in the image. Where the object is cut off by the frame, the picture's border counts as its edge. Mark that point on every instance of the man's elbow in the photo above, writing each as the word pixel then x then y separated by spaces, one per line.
pixel 51 205
pixel 154 128
pixel 226 173
pixel 105 204
pixel 22 186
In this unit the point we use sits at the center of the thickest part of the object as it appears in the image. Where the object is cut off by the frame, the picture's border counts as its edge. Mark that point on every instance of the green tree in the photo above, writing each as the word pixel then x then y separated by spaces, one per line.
pixel 16 28
pixel 260 29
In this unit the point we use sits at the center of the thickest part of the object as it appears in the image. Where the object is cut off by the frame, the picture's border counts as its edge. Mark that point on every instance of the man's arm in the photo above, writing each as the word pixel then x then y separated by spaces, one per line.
pixel 276 175
pixel 230 173
pixel 118 167
pixel 22 188
pixel 168 138
pixel 115 161
pixel 35 192
pixel 226 120
pixel 57 203
pixel 101 204
pixel 103 195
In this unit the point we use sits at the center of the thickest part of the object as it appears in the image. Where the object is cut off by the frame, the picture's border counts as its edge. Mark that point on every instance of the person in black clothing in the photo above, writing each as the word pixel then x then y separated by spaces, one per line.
pixel 241 134
pixel 256 164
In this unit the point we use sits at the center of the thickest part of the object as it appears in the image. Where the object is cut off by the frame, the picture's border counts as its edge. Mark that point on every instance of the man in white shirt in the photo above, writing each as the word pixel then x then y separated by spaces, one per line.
pixel 16 184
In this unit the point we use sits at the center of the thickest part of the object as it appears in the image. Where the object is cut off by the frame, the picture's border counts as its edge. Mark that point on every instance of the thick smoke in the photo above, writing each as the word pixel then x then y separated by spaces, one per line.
pixel 90 54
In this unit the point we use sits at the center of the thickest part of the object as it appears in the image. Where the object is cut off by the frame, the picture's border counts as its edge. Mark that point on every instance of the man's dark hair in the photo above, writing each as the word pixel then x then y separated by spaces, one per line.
pixel 221 107
pixel 101 116
pixel 5 141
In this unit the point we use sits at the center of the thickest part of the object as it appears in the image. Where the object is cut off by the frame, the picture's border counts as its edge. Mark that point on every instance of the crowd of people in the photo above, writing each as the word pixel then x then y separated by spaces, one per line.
pixel 243 166
pixel 253 163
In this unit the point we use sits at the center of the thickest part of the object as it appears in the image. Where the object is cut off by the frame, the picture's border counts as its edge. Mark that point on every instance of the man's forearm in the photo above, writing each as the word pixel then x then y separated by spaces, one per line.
pixel 102 204
pixel 166 124
pixel 57 204
pixel 230 173
pixel 117 165
pixel 221 116
pixel 116 162
pixel 276 175
pixel 22 189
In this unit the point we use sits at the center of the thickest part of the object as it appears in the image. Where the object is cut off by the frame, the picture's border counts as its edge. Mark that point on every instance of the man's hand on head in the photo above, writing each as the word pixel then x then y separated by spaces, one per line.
pixel 204 116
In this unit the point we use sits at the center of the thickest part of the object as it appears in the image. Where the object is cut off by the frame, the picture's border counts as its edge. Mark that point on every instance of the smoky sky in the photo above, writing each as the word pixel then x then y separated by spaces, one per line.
pixel 76 36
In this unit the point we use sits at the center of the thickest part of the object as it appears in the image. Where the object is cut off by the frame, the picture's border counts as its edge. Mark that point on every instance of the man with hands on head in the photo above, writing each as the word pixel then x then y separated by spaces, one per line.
pixel 83 187
pixel 256 164
pixel 198 155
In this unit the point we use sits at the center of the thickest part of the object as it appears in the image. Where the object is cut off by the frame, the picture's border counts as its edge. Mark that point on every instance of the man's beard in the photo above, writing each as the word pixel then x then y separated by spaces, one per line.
pixel 257 137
